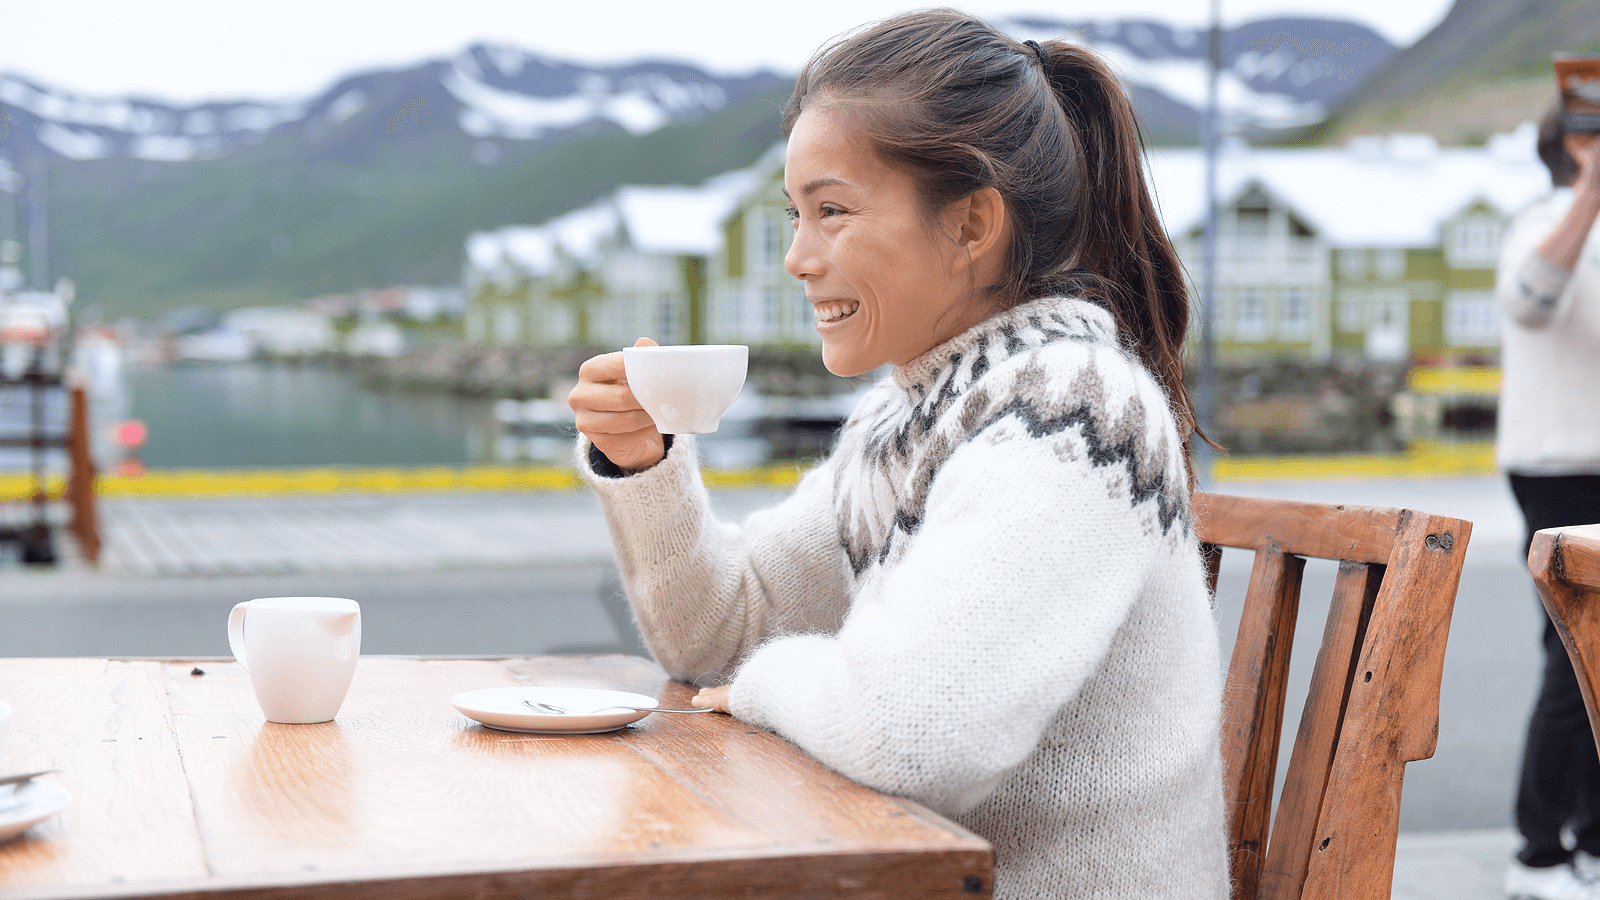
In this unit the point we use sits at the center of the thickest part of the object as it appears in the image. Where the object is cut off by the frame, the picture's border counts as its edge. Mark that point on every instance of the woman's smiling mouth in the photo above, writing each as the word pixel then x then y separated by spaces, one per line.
pixel 835 310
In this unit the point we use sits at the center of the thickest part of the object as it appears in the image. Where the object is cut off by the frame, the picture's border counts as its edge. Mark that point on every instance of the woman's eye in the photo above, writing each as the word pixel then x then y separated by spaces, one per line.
pixel 791 212
pixel 830 211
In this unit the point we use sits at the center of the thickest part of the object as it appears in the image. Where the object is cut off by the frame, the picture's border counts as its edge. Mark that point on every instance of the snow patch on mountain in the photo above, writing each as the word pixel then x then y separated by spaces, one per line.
pixel 641 103
pixel 348 104
pixel 72 143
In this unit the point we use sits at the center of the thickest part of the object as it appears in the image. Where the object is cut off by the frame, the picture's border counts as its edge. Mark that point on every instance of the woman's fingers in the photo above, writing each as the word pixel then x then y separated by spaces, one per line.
pixel 602 422
pixel 606 396
pixel 632 452
pixel 606 411
pixel 603 369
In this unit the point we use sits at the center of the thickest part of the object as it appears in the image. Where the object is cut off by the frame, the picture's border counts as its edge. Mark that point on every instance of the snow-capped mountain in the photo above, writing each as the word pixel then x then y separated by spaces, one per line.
pixel 489 92
pixel 380 178
pixel 1278 73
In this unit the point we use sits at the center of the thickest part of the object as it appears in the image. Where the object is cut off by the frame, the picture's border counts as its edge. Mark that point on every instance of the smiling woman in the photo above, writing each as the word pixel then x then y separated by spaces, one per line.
pixel 989 598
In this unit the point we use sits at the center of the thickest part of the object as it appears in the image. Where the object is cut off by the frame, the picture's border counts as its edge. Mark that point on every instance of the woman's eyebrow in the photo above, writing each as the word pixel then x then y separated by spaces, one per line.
pixel 812 186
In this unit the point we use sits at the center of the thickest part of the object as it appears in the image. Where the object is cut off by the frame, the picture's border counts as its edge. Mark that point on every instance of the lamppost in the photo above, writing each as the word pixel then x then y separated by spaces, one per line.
pixel 1206 389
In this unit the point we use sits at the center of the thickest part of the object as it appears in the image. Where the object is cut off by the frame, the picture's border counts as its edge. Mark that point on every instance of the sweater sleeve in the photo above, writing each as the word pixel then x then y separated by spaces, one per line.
pixel 1530 289
pixel 705 593
pixel 1023 570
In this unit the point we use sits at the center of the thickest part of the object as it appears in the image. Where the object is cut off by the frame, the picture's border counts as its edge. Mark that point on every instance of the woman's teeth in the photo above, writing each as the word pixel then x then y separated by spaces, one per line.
pixel 835 310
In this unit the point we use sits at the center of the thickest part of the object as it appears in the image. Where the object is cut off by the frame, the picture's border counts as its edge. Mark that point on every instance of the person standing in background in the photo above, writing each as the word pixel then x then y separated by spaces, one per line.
pixel 1548 288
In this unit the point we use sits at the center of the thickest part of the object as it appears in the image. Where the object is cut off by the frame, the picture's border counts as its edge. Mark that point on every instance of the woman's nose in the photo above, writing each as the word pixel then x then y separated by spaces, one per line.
pixel 804 258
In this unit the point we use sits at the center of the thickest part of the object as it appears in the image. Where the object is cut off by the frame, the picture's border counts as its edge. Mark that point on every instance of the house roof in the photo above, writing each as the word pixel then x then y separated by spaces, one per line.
pixel 534 249
pixel 680 220
pixel 1391 191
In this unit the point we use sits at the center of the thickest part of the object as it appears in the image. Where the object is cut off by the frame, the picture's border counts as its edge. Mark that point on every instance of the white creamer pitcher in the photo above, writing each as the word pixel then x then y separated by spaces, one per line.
pixel 300 652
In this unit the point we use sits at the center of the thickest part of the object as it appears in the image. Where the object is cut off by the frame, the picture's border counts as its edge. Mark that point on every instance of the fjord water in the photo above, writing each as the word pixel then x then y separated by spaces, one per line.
pixel 267 414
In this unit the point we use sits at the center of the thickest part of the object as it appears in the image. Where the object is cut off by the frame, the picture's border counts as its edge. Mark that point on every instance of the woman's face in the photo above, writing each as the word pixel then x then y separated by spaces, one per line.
pixel 885 285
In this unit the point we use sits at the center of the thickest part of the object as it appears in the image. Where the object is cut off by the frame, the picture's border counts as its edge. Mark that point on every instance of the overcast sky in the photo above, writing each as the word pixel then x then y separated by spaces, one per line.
pixel 191 50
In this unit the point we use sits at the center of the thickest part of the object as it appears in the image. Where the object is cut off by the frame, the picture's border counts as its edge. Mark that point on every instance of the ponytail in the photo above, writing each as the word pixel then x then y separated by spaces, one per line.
pixel 1121 256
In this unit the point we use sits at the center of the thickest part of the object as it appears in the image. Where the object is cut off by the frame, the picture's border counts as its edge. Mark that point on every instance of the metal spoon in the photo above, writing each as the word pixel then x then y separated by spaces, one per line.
pixel 24 778
pixel 562 711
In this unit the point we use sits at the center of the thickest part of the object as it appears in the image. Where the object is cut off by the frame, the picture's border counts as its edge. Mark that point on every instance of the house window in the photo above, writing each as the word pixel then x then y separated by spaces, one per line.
pixel 1475 243
pixel 1353 264
pixel 803 317
pixel 1390 264
pixel 1470 319
pixel 771 245
pixel 563 325
pixel 1352 311
pixel 772 310
pixel 506 325
pixel 1294 314
pixel 1250 226
pixel 732 324
pixel 1250 315
pixel 667 317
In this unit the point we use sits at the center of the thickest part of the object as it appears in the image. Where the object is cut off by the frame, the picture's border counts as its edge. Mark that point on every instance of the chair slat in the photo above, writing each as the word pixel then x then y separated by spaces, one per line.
pixel 1310 763
pixel 1253 714
pixel 1392 716
pixel 1564 562
pixel 1359 533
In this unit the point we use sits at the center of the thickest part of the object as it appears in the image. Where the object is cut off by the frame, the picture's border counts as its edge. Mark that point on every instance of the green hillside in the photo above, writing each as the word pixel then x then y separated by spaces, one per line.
pixel 283 220
pixel 1482 70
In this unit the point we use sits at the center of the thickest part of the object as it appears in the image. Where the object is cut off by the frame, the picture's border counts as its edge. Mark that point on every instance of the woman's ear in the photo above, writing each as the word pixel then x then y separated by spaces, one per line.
pixel 982 230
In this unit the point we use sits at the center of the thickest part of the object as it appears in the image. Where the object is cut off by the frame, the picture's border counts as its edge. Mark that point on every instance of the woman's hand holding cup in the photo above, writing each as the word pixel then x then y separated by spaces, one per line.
pixel 607 412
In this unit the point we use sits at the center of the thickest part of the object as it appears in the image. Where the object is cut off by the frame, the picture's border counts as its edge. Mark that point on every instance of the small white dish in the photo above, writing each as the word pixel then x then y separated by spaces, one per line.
pixel 39 800
pixel 505 709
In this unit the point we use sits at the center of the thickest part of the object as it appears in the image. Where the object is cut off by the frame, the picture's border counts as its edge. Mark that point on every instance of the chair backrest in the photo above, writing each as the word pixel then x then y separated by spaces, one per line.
pixel 1373 703
pixel 1565 563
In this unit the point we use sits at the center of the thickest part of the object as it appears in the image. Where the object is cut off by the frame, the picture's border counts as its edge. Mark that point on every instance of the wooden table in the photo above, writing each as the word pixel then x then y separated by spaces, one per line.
pixel 181 789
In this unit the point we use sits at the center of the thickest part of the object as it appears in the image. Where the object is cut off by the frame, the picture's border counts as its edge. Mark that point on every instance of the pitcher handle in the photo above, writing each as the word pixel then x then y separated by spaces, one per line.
pixel 236 633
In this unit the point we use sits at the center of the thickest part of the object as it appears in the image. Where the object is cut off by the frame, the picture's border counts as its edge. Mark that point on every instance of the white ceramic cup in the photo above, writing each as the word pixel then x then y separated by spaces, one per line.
pixel 300 652
pixel 686 388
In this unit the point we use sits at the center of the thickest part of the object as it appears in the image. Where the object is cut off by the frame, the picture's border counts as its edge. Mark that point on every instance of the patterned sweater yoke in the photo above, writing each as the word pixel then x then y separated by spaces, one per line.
pixel 988 599
pixel 991 382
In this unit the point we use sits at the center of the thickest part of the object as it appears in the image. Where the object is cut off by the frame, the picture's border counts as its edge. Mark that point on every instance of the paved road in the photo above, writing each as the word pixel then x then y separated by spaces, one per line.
pixel 540 605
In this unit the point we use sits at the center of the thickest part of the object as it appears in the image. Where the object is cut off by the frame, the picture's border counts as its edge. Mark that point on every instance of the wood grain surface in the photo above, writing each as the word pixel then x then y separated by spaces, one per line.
pixel 1373 704
pixel 1565 563
pixel 402 796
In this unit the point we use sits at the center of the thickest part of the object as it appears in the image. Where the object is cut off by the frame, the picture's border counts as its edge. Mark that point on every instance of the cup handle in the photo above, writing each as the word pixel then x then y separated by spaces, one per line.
pixel 236 633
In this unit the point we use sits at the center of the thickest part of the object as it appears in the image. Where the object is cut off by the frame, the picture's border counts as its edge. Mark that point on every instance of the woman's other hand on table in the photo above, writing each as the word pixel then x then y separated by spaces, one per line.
pixel 714 697
pixel 606 411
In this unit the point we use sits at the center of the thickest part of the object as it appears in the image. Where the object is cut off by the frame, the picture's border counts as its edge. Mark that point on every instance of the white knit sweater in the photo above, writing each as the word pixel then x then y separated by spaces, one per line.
pixel 1549 420
pixel 989 600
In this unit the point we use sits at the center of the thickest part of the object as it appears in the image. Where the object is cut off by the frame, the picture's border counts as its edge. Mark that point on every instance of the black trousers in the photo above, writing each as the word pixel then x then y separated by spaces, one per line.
pixel 1559 786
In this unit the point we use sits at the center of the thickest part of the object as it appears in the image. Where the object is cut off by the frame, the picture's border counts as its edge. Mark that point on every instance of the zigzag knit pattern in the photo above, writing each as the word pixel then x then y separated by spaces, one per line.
pixel 989 600
pixel 1042 366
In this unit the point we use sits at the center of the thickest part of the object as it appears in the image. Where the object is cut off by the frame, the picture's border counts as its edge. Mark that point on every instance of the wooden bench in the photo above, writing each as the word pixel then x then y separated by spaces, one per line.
pixel 1565 563
pixel 1373 703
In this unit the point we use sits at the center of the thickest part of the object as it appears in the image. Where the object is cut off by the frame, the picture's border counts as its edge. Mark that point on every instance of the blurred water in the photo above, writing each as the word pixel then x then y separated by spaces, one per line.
pixel 266 414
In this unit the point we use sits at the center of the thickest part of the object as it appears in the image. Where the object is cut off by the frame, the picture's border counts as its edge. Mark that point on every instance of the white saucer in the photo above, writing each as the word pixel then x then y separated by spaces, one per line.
pixel 40 801
pixel 504 709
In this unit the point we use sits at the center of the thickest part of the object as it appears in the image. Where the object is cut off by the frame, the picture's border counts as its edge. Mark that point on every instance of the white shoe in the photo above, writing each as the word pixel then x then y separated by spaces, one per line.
pixel 1586 867
pixel 1552 883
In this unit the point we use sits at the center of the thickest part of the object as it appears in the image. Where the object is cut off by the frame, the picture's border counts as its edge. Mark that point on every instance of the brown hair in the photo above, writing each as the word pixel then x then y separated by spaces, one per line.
pixel 961 107
pixel 1553 147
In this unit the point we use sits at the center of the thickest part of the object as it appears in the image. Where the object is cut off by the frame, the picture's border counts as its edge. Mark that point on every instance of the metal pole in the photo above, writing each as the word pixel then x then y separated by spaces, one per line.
pixel 1206 396
pixel 38 237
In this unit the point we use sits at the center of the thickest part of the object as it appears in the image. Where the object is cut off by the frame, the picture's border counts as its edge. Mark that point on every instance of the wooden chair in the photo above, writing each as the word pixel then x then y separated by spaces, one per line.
pixel 1565 563
pixel 1373 703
